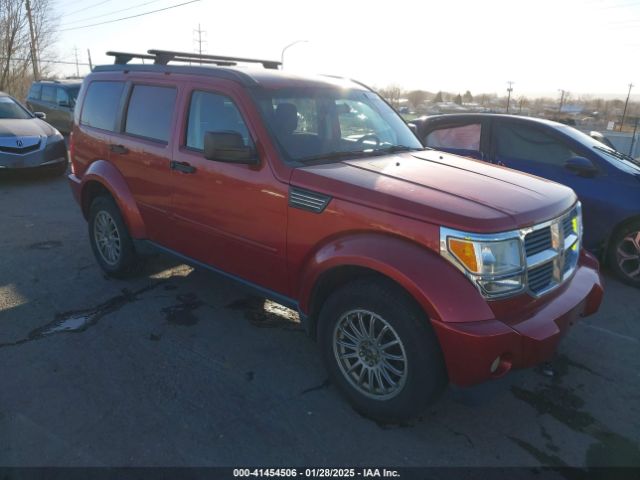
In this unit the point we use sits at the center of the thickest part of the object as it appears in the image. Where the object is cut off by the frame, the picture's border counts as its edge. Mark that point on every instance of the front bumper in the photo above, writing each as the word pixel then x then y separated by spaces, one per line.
pixel 477 351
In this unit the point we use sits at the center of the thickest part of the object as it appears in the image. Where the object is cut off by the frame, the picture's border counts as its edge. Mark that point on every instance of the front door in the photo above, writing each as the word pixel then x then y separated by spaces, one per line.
pixel 536 151
pixel 229 216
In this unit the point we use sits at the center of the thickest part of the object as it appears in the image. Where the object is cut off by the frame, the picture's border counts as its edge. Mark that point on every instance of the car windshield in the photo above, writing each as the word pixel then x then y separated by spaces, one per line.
pixel 322 124
pixel 10 109
pixel 610 154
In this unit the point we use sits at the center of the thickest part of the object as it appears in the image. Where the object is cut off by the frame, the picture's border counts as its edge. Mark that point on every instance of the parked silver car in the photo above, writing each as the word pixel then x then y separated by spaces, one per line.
pixel 27 142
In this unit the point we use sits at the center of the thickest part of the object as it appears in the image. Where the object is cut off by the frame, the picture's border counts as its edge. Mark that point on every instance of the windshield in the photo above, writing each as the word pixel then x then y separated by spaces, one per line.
pixel 10 109
pixel 329 123
pixel 613 156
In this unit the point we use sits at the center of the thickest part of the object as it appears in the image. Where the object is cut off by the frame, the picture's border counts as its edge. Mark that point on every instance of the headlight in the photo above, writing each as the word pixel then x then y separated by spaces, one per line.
pixel 56 137
pixel 495 263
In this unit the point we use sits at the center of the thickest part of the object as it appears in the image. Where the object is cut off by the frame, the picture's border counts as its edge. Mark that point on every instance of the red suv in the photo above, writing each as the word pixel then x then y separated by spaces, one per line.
pixel 411 267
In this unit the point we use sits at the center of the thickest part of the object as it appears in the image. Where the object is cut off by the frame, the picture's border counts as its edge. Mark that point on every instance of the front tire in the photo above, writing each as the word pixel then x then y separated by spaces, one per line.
pixel 380 350
pixel 110 240
pixel 624 253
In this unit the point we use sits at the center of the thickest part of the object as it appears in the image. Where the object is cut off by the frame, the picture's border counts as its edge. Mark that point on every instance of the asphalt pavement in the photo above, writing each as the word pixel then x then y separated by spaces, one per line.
pixel 178 367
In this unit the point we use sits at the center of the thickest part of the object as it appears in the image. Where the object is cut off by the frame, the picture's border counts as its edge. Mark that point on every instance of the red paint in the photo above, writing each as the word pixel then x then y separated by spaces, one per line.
pixel 384 215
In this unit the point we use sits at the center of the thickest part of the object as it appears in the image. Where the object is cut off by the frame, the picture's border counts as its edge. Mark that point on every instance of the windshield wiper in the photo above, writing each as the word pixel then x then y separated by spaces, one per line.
pixel 397 148
pixel 617 154
pixel 338 155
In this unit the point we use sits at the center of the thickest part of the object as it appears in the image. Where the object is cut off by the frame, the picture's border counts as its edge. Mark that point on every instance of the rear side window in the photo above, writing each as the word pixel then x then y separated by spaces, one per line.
pixel 34 91
pixel 101 105
pixel 150 112
pixel 49 93
pixel 465 137
pixel 211 112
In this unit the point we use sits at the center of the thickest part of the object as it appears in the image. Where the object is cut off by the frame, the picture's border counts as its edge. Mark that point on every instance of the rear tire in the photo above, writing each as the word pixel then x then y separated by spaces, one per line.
pixel 406 376
pixel 624 253
pixel 110 240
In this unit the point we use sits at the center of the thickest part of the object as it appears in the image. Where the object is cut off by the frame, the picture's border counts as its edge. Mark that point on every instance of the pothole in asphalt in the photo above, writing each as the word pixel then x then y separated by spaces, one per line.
pixel 79 320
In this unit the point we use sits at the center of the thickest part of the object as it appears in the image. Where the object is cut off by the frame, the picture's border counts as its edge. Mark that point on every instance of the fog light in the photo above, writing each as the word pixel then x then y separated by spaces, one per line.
pixel 495 364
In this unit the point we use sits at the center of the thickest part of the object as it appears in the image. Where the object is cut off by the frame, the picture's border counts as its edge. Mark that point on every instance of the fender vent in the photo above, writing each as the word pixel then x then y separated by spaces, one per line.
pixel 307 200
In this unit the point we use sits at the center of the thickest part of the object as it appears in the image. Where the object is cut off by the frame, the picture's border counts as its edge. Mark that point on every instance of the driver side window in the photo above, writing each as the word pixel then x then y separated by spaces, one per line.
pixel 212 112
pixel 519 142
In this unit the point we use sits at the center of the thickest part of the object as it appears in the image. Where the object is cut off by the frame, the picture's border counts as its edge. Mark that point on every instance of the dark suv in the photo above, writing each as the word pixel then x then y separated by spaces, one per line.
pixel 55 98
pixel 411 267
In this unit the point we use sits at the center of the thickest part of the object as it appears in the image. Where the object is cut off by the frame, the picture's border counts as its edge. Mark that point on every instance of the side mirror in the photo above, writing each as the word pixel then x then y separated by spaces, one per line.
pixel 228 147
pixel 413 128
pixel 581 166
pixel 40 115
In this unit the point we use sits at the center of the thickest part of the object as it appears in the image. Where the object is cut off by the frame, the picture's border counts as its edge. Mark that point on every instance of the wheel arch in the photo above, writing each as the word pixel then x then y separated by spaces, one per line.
pixel 103 177
pixel 614 231
pixel 427 278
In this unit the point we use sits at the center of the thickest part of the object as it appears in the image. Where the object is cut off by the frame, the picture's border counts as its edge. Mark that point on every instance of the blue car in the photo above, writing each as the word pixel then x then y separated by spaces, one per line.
pixel 606 181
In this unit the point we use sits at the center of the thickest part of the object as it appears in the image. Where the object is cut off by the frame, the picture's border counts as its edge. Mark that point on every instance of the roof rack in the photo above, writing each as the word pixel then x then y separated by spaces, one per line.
pixel 163 57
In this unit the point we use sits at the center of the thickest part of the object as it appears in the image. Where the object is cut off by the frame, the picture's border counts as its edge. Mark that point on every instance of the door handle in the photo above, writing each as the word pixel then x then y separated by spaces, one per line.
pixel 121 149
pixel 183 167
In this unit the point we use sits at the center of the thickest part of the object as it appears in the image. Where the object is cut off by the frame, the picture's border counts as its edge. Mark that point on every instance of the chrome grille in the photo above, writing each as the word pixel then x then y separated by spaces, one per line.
pixel 19 145
pixel 552 251
pixel 537 241
pixel 540 277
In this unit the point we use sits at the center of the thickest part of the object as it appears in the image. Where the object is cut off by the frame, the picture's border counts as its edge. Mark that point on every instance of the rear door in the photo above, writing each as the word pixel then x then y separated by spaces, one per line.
pixel 141 149
pixel 64 110
pixel 466 136
pixel 230 216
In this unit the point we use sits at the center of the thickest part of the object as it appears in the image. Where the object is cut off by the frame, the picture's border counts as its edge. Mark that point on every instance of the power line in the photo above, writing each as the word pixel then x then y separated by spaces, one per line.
pixel 111 13
pixel 127 18
pixel 40 60
pixel 87 8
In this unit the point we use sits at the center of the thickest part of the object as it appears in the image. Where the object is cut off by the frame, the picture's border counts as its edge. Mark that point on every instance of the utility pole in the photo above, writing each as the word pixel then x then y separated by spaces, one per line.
pixel 75 51
pixel 633 137
pixel 34 53
pixel 624 112
pixel 510 89
pixel 562 95
pixel 89 55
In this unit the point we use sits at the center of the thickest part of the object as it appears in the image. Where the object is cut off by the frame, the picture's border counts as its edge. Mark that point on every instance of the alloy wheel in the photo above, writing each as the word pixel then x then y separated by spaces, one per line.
pixel 628 255
pixel 370 354
pixel 107 237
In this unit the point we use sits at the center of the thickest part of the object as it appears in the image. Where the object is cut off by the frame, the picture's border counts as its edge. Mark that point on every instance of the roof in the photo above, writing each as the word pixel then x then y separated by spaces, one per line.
pixel 476 116
pixel 248 76
pixel 63 83
pixel 231 68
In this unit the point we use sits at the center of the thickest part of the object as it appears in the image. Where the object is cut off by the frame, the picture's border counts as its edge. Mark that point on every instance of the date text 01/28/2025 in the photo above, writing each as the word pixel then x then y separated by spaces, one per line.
pixel 316 472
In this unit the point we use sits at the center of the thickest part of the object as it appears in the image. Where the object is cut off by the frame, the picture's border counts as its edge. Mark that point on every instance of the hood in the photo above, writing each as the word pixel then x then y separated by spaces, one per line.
pixel 31 127
pixel 442 189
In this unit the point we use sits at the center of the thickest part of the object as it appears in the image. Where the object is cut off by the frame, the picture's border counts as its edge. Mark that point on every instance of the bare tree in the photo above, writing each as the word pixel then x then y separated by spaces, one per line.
pixel 391 94
pixel 417 98
pixel 15 42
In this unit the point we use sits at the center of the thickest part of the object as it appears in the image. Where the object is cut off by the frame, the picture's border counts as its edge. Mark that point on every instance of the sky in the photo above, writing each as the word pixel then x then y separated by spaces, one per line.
pixel 588 47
